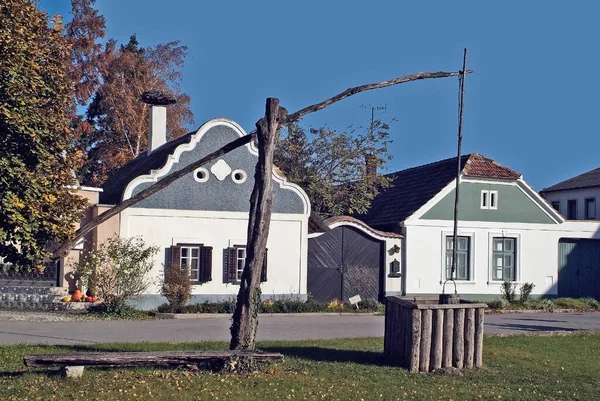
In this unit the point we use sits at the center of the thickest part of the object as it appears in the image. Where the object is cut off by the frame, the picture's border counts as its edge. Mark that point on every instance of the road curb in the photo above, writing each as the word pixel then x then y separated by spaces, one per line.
pixel 518 311
pixel 160 315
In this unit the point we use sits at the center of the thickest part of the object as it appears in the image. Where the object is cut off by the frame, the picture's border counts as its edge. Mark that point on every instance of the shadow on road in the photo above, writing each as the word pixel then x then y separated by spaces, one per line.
pixel 319 354
pixel 52 337
pixel 517 328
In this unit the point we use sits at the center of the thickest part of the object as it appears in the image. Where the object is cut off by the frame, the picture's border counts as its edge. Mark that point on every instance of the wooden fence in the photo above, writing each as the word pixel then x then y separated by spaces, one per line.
pixel 421 335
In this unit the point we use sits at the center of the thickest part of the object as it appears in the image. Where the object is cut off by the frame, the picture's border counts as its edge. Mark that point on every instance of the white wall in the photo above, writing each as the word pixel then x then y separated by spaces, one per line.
pixel 537 254
pixel 287 244
pixel 393 285
pixel 580 195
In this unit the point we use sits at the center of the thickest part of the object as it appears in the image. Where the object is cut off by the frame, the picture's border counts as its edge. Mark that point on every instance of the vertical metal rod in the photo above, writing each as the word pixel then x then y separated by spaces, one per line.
pixel 458 167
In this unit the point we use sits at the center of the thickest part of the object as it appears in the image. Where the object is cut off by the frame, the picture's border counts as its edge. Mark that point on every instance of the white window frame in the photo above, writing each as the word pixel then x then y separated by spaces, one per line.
pixel 518 251
pixel 472 253
pixel 238 259
pixel 493 196
pixel 189 250
pixel 484 202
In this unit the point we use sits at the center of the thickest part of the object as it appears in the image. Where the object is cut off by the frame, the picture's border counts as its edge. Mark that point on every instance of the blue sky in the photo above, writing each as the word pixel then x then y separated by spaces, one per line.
pixel 532 103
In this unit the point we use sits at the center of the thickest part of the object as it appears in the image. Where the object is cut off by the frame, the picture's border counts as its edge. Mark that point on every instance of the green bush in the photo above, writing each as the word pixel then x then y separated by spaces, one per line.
pixel 525 291
pixel 498 303
pixel 508 290
pixel 116 309
pixel 118 270
pixel 176 286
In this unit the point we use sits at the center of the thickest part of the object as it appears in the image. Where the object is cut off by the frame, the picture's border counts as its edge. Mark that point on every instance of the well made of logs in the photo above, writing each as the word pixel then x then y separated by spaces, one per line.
pixel 423 335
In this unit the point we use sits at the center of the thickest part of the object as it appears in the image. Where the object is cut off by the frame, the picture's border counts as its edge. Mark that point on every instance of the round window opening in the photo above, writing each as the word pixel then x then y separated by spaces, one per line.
pixel 239 176
pixel 201 175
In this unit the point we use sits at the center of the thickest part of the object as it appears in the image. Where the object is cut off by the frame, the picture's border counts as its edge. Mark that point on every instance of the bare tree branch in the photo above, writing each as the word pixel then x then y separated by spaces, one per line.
pixel 357 89
pixel 62 249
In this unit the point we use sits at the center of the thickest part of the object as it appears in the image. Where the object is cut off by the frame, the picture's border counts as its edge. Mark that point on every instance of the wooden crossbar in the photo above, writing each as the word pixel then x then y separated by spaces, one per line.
pixel 164 358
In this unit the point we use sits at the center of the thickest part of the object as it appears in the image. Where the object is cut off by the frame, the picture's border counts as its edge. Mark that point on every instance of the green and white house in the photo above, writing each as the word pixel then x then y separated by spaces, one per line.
pixel 506 231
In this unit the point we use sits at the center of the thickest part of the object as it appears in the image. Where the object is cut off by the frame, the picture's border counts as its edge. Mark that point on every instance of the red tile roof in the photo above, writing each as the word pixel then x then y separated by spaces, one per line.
pixel 482 167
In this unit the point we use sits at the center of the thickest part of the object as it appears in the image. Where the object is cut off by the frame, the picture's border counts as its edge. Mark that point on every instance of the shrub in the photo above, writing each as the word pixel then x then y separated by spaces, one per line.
pixel 546 305
pixel 116 309
pixel 370 304
pixel 119 270
pixel 592 303
pixel 498 303
pixel 335 305
pixel 508 290
pixel 176 286
pixel 525 291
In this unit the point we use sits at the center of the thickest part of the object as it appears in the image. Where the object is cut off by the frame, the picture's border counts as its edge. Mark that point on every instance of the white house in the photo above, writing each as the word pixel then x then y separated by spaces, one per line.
pixel 200 221
pixel 506 231
pixel 576 198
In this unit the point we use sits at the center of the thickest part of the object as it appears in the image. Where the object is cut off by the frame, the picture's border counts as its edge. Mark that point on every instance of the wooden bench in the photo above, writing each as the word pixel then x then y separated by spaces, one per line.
pixel 73 364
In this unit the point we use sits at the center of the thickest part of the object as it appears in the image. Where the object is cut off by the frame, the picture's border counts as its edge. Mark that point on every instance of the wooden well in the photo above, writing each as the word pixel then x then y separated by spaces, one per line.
pixel 422 335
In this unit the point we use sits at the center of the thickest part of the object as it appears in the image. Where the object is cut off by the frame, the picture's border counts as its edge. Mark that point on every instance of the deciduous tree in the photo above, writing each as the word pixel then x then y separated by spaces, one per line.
pixel 36 160
pixel 331 166
pixel 118 119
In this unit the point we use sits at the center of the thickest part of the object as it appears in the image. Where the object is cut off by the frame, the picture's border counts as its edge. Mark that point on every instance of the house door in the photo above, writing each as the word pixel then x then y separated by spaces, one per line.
pixel 579 268
pixel 343 263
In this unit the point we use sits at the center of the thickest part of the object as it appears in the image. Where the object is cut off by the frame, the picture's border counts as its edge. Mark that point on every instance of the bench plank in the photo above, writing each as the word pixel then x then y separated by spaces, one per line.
pixel 163 358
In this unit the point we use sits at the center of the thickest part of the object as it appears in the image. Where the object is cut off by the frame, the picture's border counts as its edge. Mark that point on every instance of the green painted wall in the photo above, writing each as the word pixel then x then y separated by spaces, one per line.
pixel 513 206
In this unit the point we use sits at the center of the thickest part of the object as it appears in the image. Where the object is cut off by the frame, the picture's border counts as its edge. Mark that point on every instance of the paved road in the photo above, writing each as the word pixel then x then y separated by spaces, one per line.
pixel 270 328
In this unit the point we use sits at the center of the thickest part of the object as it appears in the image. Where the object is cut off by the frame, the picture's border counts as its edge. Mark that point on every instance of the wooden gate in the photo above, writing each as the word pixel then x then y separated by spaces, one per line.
pixel 579 268
pixel 345 262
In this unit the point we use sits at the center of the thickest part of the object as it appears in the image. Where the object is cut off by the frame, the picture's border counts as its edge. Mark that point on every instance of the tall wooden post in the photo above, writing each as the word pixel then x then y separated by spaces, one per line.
pixel 245 317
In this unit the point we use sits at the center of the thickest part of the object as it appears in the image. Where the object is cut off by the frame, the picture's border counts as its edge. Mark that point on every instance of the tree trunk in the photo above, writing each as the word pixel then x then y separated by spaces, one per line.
pixel 245 317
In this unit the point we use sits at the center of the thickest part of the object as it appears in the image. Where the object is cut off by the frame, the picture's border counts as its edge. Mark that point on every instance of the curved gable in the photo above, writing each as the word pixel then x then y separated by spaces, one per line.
pixel 218 191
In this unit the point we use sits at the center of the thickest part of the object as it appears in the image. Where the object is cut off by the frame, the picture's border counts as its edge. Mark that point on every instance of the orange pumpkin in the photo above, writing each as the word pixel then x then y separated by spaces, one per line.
pixel 77 296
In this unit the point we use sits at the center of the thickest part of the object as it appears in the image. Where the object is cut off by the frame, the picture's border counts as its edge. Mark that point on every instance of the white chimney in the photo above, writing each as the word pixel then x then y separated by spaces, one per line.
pixel 158 101
pixel 158 127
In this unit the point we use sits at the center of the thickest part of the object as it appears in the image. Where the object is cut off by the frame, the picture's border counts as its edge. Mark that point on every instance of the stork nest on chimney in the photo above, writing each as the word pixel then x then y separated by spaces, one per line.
pixel 157 97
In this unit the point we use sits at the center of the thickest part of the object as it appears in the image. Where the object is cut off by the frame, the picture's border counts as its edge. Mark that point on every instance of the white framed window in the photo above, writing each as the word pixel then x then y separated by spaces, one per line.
pixel 463 257
pixel 485 199
pixel 201 174
pixel 240 261
pixel 190 256
pixel 504 261
pixel 239 176
pixel 494 200
pixel 489 199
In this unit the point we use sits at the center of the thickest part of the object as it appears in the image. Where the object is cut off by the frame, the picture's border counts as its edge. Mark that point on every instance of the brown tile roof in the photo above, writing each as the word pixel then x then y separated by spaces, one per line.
pixel 412 188
pixel 482 167
pixel 585 180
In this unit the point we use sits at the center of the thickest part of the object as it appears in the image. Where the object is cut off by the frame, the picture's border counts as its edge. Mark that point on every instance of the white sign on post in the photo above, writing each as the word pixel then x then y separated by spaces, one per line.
pixel 355 300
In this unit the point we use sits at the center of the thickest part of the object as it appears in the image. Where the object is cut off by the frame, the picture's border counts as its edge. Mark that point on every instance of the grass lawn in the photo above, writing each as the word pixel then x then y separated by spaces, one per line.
pixel 516 368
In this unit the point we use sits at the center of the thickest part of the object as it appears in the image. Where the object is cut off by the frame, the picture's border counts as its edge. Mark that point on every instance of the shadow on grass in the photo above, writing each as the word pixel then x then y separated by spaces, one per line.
pixel 318 354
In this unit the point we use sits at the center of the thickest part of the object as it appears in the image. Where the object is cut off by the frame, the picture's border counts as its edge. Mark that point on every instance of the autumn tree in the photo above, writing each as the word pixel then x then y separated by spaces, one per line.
pixel 331 166
pixel 36 206
pixel 118 119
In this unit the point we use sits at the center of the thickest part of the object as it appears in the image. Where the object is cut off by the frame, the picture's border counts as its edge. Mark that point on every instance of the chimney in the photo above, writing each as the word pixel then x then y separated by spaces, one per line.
pixel 158 101
pixel 370 166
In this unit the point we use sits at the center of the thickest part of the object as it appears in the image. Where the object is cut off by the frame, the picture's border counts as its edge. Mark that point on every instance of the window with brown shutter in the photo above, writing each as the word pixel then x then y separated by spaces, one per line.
pixel 175 256
pixel 205 268
pixel 197 258
pixel 232 265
